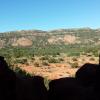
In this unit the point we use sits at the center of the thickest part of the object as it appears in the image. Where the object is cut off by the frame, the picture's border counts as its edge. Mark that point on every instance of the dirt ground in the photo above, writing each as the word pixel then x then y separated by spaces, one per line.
pixel 58 70
pixel 51 72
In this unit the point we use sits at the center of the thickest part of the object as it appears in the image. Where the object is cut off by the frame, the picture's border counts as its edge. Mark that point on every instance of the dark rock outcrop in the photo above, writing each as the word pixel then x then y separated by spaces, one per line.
pixel 15 87
pixel 83 87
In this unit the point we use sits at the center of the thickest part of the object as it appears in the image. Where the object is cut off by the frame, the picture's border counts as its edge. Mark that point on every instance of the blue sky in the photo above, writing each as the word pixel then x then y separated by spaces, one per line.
pixel 48 14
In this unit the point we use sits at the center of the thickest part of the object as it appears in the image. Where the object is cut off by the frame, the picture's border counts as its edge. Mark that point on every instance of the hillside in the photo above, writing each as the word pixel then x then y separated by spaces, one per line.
pixel 62 40
pixel 73 37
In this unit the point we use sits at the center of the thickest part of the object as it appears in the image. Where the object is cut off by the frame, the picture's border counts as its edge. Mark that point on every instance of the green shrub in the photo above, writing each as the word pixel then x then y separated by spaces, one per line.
pixel 92 59
pixel 33 58
pixel 21 61
pixel 75 65
pixel 45 63
pixel 60 59
pixel 21 72
pixel 36 64
pixel 74 59
pixel 53 60
pixel 44 58
pixel 74 54
pixel 46 82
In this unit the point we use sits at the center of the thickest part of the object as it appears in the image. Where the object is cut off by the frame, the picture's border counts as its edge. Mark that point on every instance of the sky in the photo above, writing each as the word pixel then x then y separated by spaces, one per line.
pixel 48 14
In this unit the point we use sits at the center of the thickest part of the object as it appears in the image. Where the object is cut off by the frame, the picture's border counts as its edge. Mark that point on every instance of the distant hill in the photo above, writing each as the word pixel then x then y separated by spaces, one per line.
pixel 61 40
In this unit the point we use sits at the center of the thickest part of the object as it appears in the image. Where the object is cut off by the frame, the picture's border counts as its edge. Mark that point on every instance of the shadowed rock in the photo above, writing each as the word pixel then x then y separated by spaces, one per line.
pixel 67 89
pixel 86 75
pixel 7 81
pixel 31 88
pixel 15 87
pixel 82 87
